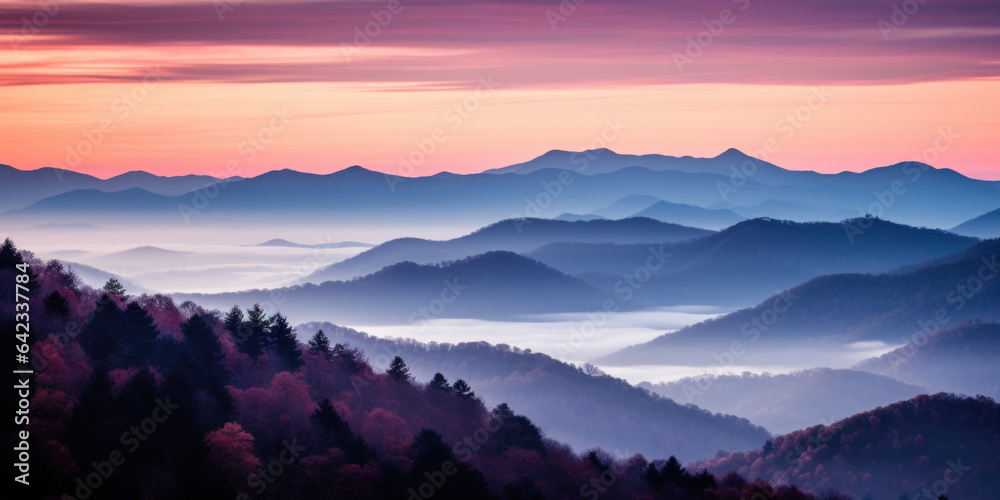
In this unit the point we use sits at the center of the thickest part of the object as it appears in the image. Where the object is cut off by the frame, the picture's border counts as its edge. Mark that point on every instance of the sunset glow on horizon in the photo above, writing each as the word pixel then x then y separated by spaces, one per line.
pixel 183 87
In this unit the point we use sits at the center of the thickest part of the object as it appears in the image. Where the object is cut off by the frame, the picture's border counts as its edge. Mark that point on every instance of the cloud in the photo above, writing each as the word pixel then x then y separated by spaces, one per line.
pixel 531 44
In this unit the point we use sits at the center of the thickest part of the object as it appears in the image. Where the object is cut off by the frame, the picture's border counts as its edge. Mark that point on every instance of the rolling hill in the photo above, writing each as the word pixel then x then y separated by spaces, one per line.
pixel 984 226
pixel 749 261
pixel 784 403
pixel 943 442
pixel 514 235
pixel 841 309
pixel 964 359
pixel 579 406
pixel 495 285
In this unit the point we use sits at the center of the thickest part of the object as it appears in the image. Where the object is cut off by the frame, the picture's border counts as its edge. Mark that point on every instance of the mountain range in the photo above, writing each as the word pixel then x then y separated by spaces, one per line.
pixel 749 261
pixel 494 285
pixel 577 405
pixel 557 182
pixel 514 235
pixel 843 309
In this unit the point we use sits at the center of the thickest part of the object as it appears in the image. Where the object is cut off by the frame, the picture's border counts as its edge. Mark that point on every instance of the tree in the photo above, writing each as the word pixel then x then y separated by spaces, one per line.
pixel 281 341
pixel 429 452
pixel 439 382
pixel 398 369
pixel 462 389
pixel 255 338
pixel 230 449
pixel 9 254
pixel 336 432
pixel 138 334
pixel 206 348
pixel 235 324
pixel 115 288
pixel 99 338
pixel 56 305
pixel 320 344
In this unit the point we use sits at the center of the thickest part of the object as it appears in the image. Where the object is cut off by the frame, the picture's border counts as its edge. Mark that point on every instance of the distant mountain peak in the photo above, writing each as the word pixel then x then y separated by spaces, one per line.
pixel 732 152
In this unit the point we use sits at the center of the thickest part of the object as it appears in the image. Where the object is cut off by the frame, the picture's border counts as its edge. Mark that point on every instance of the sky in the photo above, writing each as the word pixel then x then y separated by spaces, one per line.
pixel 417 87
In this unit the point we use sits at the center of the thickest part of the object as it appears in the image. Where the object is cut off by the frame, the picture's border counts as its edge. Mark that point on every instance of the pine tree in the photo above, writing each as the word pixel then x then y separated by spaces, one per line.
pixel 439 382
pixel 206 349
pixel 235 324
pixel 320 344
pixel 336 432
pixel 91 428
pixel 398 369
pixel 138 334
pixel 428 452
pixel 462 389
pixel 9 256
pixel 99 338
pixel 205 346
pixel 256 332
pixel 115 288
pixel 56 305
pixel 281 341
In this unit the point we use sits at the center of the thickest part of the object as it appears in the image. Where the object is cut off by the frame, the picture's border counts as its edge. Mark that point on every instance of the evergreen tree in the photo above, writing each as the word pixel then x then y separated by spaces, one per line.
pixel 92 428
pixel 320 344
pixel 99 338
pixel 439 382
pixel 206 349
pixel 281 341
pixel 462 389
pixel 348 357
pixel 398 369
pixel 429 452
pixel 138 334
pixel 255 340
pixel 9 256
pixel 56 305
pixel 335 432
pixel 114 288
pixel 235 324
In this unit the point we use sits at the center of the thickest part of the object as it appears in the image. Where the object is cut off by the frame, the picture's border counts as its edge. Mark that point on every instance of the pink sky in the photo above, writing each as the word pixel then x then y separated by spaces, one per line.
pixel 178 90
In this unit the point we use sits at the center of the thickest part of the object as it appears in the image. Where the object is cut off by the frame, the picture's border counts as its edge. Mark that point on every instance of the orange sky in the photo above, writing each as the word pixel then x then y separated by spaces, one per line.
pixel 177 90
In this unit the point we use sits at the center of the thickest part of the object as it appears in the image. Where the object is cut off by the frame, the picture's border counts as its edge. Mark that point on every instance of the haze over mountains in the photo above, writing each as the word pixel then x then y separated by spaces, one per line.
pixel 514 235
pixel 844 309
pixel 555 183
pixel 494 285
pixel 570 404
pixel 599 251
pixel 964 359
pixel 787 402
pixel 749 261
